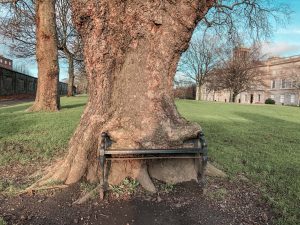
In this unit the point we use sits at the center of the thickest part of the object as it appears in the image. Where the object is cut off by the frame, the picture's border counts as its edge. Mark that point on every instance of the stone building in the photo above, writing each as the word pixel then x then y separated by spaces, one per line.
pixel 6 63
pixel 281 83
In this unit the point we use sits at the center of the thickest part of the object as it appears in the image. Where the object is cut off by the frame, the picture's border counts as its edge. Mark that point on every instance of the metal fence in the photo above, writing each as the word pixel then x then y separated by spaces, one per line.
pixel 15 83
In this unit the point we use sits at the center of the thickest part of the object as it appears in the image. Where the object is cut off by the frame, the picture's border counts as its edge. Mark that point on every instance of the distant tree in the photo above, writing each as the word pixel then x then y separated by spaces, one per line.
pixel 81 81
pixel 19 28
pixel 240 19
pixel 199 60
pixel 239 71
pixel 228 21
pixel 17 20
pixel 69 42
pixel 47 96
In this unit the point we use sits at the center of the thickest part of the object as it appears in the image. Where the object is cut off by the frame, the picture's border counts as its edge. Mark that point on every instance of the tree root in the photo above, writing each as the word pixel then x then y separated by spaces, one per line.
pixel 31 189
pixel 90 195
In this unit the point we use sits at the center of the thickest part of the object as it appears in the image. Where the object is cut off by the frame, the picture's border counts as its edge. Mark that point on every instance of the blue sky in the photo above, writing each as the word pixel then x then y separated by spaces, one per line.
pixel 285 42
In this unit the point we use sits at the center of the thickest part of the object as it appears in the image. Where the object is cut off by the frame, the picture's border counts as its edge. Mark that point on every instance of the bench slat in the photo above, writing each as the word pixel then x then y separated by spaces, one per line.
pixel 152 151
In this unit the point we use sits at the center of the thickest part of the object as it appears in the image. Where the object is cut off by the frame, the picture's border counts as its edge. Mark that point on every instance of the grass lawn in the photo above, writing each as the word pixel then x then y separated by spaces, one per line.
pixel 26 137
pixel 259 141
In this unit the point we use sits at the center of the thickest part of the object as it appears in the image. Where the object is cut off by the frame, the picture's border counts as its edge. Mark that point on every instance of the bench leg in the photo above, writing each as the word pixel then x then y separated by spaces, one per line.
pixel 102 181
pixel 203 161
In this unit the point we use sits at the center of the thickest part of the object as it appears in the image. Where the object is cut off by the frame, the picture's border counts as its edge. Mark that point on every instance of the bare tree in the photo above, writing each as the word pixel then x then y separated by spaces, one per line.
pixel 69 42
pixel 81 81
pixel 47 96
pixel 20 15
pixel 199 60
pixel 240 19
pixel 19 29
pixel 239 71
pixel 228 21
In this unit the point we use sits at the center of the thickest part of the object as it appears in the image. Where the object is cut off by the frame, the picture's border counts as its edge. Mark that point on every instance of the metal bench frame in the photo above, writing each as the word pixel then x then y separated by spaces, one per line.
pixel 198 152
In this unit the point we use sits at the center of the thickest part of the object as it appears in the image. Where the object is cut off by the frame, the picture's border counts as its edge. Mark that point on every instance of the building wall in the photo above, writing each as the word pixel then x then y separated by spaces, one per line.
pixel 6 63
pixel 279 73
pixel 13 84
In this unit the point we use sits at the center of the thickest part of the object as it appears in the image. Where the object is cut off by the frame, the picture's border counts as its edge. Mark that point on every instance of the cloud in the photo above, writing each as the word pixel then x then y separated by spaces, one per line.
pixel 281 49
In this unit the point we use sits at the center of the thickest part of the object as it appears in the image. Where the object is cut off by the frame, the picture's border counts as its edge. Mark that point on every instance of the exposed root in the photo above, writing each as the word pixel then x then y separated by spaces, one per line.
pixel 143 177
pixel 48 178
pixel 31 190
pixel 131 168
pixel 88 195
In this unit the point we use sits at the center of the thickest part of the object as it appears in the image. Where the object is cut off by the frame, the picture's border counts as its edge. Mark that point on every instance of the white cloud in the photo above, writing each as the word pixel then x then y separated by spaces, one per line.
pixel 280 49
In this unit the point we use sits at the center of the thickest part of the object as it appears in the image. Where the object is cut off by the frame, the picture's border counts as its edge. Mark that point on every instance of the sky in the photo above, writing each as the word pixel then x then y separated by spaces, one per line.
pixel 285 42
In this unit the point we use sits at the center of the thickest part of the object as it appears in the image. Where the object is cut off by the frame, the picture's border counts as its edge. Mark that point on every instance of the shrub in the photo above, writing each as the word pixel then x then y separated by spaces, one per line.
pixel 270 101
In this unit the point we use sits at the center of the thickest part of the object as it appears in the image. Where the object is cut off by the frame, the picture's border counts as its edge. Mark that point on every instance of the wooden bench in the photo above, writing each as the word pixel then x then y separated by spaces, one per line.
pixel 199 151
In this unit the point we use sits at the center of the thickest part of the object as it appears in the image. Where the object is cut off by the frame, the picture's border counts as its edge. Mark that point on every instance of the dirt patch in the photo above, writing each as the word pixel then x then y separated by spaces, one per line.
pixel 221 202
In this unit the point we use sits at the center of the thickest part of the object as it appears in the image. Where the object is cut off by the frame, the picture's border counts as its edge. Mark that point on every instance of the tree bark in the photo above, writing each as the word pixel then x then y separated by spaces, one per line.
pixel 71 75
pixel 47 96
pixel 199 92
pixel 233 97
pixel 131 52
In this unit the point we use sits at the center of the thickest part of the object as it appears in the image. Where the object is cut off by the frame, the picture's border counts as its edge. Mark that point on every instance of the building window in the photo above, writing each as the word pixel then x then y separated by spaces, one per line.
pixel 281 98
pixel 9 63
pixel 1 61
pixel 293 98
pixel 283 83
pixel 4 61
pixel 272 97
pixel 286 83
pixel 258 98
pixel 273 84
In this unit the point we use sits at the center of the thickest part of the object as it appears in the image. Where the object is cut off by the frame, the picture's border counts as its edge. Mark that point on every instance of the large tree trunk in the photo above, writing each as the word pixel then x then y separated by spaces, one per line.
pixel 47 96
pixel 71 75
pixel 131 53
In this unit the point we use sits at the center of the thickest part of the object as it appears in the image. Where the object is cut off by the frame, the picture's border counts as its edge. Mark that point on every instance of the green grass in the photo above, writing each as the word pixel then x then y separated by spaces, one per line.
pixel 27 137
pixel 260 141
pixel 2 221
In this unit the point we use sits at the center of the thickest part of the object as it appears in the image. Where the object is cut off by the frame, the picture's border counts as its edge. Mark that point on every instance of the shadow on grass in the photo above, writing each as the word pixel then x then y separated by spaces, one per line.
pixel 71 106
pixel 267 120
pixel 13 108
